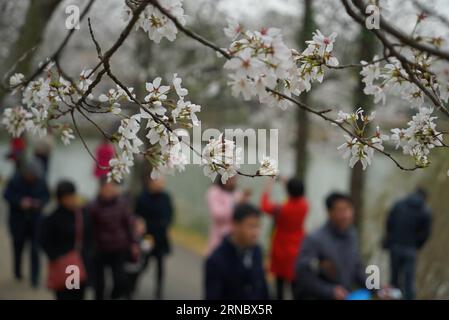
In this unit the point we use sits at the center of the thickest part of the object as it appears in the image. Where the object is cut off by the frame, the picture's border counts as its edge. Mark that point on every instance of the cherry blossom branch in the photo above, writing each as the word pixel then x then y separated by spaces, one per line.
pixel 213 46
pixel 382 38
pixel 123 35
pixel 104 67
pixel 169 128
pixel 341 126
pixel 133 98
pixel 301 105
pixel 8 73
pixel 188 32
pixel 404 61
pixel 108 54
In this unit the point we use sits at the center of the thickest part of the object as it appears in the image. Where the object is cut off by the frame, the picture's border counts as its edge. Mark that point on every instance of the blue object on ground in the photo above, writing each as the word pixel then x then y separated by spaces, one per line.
pixel 361 294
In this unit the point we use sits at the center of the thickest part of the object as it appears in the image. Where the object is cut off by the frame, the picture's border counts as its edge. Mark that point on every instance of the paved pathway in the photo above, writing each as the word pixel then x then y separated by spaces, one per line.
pixel 183 274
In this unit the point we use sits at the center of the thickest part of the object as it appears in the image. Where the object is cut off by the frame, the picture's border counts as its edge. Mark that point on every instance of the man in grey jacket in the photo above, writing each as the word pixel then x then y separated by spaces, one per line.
pixel 329 264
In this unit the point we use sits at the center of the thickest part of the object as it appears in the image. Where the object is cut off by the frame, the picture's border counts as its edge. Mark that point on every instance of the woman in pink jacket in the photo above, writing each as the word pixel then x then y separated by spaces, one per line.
pixel 221 200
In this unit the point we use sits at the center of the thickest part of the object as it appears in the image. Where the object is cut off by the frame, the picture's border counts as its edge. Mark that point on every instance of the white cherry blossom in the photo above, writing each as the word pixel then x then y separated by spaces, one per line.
pixel 16 120
pixel 16 79
pixel 120 166
pixel 220 157
pixel 67 136
pixel 233 29
pixel 155 23
pixel 268 167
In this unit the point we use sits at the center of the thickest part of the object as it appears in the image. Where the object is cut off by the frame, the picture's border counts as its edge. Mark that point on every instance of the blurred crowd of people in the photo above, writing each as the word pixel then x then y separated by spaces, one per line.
pixel 324 264
pixel 123 234
pixel 113 231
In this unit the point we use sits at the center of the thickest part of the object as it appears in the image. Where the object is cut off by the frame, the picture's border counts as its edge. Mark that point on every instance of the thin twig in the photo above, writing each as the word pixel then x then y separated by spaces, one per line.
pixel 358 65
pixel 106 135
pixel 81 137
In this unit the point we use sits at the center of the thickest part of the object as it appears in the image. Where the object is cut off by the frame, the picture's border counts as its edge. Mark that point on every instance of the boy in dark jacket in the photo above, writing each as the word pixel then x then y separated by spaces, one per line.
pixel 59 232
pixel 234 271
pixel 27 194
pixel 112 225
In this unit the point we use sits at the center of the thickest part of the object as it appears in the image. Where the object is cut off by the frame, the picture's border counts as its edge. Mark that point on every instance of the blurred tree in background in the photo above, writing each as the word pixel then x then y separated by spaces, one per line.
pixel 308 27
pixel 367 45
pixel 30 35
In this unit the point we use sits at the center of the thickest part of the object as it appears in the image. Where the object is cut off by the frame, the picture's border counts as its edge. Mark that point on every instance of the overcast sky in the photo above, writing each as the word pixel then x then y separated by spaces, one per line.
pixel 292 7
pixel 255 7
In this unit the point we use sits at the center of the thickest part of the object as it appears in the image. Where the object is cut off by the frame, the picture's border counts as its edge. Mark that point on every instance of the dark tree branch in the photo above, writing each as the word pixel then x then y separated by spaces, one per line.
pixel 403 38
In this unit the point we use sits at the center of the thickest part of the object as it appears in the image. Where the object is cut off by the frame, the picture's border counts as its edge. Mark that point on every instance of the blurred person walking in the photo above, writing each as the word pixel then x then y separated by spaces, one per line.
pixel 135 265
pixel 155 206
pixel 16 151
pixel 221 199
pixel 112 225
pixel 407 230
pixel 289 219
pixel 104 153
pixel 66 239
pixel 234 270
pixel 42 148
pixel 27 194
pixel 329 264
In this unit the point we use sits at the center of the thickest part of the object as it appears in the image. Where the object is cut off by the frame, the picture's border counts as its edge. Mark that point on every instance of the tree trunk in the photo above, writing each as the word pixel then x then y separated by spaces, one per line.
pixel 30 36
pixel 366 51
pixel 303 136
pixel 143 55
pixel 308 26
pixel 31 33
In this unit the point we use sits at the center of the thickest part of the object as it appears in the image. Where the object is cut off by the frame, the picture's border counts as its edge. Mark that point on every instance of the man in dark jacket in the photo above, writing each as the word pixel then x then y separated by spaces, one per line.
pixel 408 227
pixel 154 205
pixel 234 271
pixel 26 194
pixel 112 225
pixel 329 264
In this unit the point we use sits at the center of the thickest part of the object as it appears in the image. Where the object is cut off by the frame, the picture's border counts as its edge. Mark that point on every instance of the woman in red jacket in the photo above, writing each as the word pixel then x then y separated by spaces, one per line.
pixel 288 232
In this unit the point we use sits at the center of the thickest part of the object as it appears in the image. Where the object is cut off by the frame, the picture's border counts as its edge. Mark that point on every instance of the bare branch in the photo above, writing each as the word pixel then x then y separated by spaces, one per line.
pixel 403 38
pixel 190 33
pixel 431 13
pixel 82 139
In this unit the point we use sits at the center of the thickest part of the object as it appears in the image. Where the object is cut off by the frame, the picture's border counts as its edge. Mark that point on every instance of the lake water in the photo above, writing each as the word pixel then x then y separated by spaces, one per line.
pixel 327 172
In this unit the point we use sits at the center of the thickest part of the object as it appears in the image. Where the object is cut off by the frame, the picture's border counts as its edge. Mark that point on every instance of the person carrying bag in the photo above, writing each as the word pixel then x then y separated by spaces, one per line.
pixel 58 269
pixel 62 241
